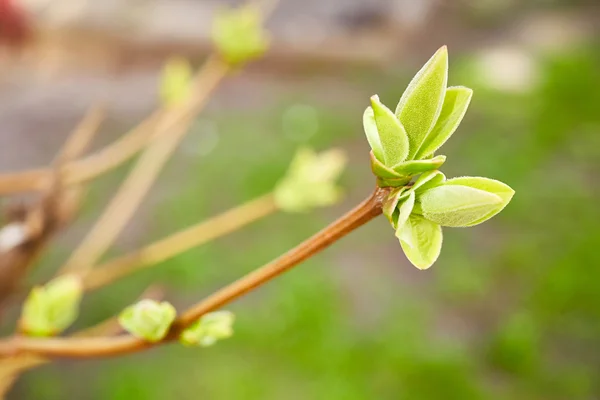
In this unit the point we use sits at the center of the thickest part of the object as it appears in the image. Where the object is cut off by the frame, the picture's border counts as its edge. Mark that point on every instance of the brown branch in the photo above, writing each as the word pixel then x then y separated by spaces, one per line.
pixel 106 347
pixel 12 367
pixel 179 242
pixel 172 127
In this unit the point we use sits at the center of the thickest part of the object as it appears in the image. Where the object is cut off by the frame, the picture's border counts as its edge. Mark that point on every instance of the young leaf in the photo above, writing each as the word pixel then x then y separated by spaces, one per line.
pixel 421 103
pixel 391 202
pixel 148 319
pixel 415 167
pixel 370 127
pixel 455 106
pixel 381 171
pixel 404 210
pixel 392 135
pixel 421 241
pixel 387 177
pixel 457 205
pixel 428 180
pixel 498 188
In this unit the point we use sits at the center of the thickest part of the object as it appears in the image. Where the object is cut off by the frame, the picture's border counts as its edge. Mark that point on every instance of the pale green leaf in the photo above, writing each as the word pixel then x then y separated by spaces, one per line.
pixel 421 241
pixel 381 171
pixel 392 200
pixel 455 106
pixel 415 167
pixel 457 205
pixel 421 103
pixel 387 177
pixel 498 188
pixel 428 180
pixel 392 135
pixel 406 207
pixel 370 127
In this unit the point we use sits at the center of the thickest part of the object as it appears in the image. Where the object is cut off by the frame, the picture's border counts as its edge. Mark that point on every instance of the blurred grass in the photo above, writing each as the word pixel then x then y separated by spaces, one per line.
pixel 510 311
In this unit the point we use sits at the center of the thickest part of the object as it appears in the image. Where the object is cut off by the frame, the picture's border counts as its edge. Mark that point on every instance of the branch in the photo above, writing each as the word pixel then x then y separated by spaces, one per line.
pixel 81 137
pixel 172 127
pixel 12 367
pixel 107 346
pixel 179 242
pixel 39 221
pixel 87 168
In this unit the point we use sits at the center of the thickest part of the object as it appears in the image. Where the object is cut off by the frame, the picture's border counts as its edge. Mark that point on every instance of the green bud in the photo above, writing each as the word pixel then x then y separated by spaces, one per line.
pixel 403 146
pixel 175 83
pixel 427 115
pixel 208 329
pixel 148 319
pixel 310 181
pixel 50 309
pixel 239 35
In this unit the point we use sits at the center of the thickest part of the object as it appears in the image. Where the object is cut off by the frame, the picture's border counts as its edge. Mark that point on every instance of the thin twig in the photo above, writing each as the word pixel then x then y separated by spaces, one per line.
pixel 179 242
pixel 81 137
pixel 172 127
pixel 87 168
pixel 113 346
pixel 55 207
pixel 12 367
pixel 103 161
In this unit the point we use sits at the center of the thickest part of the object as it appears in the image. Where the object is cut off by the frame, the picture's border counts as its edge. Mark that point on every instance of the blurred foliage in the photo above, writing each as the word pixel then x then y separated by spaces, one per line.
pixel 510 311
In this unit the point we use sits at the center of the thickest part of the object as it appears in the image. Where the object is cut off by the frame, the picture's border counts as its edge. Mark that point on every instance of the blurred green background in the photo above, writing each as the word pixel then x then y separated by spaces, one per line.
pixel 511 310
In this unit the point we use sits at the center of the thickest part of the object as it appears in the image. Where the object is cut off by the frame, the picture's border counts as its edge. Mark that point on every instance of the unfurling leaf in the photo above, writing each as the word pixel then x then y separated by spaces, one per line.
pixel 148 319
pixel 239 34
pixel 390 204
pixel 370 127
pixel 498 188
pixel 310 181
pixel 421 241
pixel 455 106
pixel 457 205
pixel 406 207
pixel 415 167
pixel 208 329
pixel 50 309
pixel 387 177
pixel 392 135
pixel 175 82
pixel 421 103
pixel 428 180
